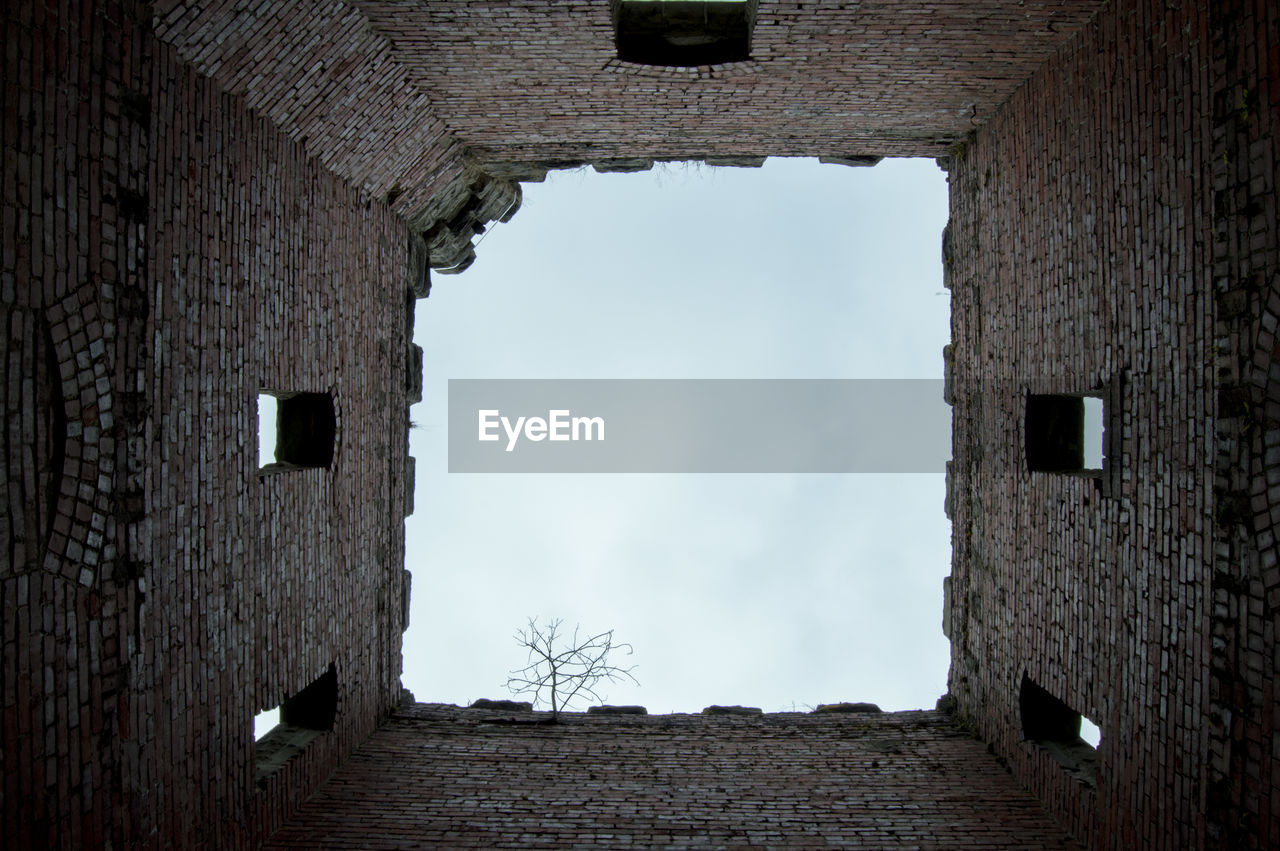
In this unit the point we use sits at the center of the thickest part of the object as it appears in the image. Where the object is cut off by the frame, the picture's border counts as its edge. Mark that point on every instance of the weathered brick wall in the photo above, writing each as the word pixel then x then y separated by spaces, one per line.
pixel 326 80
pixel 75 151
pixel 438 106
pixel 168 254
pixel 530 80
pixel 174 243
pixel 443 777
pixel 329 81
pixel 270 273
pixel 1244 767
pixel 1088 249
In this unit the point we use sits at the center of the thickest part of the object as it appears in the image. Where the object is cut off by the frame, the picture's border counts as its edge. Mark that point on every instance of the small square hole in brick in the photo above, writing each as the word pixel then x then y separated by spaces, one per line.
pixel 1064 433
pixel 282 733
pixel 1055 433
pixel 295 430
pixel 1069 737
pixel 680 34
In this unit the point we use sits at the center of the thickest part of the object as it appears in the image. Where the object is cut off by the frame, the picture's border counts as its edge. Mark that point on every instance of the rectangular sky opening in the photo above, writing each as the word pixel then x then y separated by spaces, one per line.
pixel 778 590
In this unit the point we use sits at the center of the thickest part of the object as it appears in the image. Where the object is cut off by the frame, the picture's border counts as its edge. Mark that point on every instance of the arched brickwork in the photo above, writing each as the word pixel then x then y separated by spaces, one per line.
pixel 77 542
pixel 60 441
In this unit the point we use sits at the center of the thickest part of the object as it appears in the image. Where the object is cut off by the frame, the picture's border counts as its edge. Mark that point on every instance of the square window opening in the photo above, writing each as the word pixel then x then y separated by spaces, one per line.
pixel 1065 433
pixel 295 430
pixel 1070 738
pixel 297 722
pixel 680 34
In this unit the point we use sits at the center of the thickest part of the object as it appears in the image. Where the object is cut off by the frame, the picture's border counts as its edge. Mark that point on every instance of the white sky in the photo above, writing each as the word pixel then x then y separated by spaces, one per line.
pixel 765 590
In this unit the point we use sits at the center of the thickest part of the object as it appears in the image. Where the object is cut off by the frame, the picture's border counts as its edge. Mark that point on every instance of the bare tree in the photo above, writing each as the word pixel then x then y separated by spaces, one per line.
pixel 561 670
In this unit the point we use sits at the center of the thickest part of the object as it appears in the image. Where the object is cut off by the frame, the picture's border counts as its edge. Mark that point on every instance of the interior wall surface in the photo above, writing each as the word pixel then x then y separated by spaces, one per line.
pixel 529 81
pixel 202 202
pixel 1113 234
pixel 168 255
pixel 442 776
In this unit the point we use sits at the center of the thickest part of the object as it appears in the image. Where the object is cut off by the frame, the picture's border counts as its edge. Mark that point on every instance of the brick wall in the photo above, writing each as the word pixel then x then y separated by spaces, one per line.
pixel 75 156
pixel 529 80
pixel 1088 250
pixel 167 255
pixel 444 777
pixel 438 106
pixel 270 273
pixel 328 81
pixel 1243 794
pixel 174 243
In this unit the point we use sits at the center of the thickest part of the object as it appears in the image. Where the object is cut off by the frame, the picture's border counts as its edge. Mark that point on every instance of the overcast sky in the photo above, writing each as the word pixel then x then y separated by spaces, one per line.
pixel 776 591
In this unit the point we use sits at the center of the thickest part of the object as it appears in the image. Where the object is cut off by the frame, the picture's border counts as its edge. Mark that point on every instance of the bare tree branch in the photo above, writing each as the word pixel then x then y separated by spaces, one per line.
pixel 560 672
